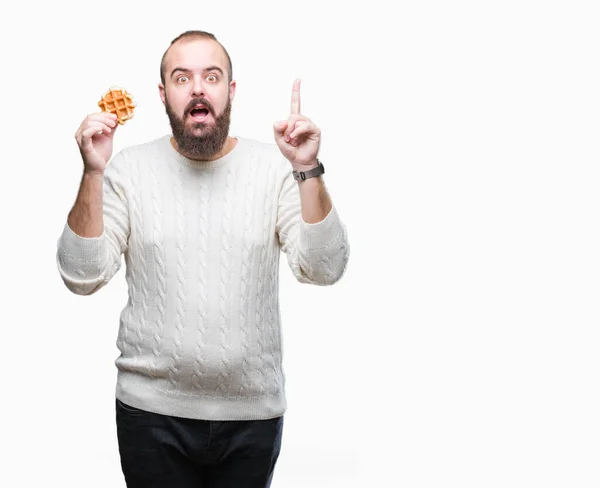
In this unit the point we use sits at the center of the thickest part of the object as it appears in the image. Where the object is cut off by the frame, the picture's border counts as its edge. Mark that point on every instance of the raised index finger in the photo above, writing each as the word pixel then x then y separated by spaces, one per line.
pixel 296 97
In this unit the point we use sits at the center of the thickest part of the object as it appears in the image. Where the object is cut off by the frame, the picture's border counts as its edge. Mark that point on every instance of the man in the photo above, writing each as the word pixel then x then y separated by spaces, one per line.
pixel 201 218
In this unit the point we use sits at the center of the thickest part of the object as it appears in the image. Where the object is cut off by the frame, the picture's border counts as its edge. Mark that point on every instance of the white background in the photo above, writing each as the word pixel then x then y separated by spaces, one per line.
pixel 461 348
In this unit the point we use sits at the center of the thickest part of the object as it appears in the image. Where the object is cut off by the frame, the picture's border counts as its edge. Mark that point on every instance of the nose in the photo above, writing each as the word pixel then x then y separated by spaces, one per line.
pixel 197 87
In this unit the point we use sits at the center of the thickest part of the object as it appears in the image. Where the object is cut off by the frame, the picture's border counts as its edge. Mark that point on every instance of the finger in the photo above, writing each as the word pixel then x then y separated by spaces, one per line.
pixel 90 132
pixel 105 117
pixel 101 126
pixel 291 127
pixel 292 123
pixel 303 128
pixel 85 139
pixel 94 126
pixel 295 110
pixel 280 127
pixel 109 120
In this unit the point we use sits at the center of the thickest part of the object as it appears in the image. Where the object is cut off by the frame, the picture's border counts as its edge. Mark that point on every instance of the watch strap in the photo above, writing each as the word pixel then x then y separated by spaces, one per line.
pixel 303 175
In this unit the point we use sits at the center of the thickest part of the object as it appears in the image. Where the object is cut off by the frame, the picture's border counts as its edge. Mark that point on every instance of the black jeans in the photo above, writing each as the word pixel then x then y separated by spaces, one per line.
pixel 159 451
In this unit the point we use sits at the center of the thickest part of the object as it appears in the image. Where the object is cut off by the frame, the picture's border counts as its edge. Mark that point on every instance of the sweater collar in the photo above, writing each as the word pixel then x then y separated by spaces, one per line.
pixel 180 158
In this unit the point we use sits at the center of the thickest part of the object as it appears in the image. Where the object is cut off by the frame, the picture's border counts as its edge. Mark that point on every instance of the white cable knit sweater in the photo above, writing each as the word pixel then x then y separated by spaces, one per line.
pixel 200 334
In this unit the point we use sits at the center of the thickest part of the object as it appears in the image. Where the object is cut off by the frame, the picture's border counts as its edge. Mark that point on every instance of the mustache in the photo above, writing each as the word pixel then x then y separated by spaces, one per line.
pixel 197 101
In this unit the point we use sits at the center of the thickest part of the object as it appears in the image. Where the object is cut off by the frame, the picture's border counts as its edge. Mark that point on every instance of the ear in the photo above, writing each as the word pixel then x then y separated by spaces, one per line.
pixel 161 90
pixel 232 86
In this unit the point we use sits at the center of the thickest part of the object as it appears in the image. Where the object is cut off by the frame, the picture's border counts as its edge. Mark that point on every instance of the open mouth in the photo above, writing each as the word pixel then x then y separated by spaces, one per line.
pixel 199 113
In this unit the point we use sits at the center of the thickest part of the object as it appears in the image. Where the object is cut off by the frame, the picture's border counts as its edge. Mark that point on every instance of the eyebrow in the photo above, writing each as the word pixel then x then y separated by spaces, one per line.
pixel 185 70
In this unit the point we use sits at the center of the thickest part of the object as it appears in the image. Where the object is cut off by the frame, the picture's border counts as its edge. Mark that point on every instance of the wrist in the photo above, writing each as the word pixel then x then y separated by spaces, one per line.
pixel 305 166
pixel 307 172
pixel 92 174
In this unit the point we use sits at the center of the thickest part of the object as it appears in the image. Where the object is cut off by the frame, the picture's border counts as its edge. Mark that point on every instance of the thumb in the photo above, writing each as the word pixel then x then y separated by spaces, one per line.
pixel 279 127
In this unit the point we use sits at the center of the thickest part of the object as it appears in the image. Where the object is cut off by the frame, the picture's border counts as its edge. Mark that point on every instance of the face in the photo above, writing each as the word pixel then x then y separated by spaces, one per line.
pixel 197 95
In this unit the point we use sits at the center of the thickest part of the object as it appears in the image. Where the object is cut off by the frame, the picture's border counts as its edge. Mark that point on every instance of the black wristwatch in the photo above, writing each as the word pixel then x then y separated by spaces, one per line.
pixel 303 175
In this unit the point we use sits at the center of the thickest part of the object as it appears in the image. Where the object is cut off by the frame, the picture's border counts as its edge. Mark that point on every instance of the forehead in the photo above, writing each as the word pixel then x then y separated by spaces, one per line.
pixel 195 54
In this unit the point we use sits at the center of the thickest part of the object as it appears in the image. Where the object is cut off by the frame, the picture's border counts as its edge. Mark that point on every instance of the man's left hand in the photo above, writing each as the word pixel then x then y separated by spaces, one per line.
pixel 297 137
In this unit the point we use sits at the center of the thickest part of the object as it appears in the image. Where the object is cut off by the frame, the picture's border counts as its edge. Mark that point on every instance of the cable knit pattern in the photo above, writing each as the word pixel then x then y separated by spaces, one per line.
pixel 274 358
pixel 271 280
pixel 245 276
pixel 262 325
pixel 224 282
pixel 200 335
pixel 181 290
pixel 160 270
pixel 202 255
pixel 139 272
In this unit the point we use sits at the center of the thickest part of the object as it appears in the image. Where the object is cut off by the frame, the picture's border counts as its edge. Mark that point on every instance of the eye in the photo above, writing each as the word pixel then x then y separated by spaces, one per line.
pixel 182 79
pixel 211 78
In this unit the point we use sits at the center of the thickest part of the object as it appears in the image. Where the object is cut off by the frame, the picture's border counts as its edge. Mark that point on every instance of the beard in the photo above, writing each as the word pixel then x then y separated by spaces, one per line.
pixel 210 141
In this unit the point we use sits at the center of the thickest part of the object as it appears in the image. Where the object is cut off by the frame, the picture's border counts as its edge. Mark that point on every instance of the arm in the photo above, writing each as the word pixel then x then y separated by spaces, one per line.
pixel 85 218
pixel 88 253
pixel 309 228
pixel 314 199
pixel 97 231
pixel 317 248
pixel 298 140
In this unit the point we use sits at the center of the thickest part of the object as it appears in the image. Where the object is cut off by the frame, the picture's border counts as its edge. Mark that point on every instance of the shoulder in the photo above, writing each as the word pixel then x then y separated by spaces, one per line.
pixel 123 159
pixel 145 149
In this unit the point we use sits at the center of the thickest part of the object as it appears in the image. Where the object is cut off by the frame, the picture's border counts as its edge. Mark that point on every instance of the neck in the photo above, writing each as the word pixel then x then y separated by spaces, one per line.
pixel 230 143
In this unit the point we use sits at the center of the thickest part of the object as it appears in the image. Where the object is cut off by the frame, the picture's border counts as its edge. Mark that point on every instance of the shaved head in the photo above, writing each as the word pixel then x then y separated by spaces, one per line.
pixel 190 36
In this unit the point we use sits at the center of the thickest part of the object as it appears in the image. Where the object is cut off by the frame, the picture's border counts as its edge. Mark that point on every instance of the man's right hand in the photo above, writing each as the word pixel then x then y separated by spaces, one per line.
pixel 95 140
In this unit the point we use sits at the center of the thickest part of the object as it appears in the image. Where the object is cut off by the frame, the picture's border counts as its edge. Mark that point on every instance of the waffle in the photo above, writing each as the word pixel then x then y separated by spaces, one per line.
pixel 118 102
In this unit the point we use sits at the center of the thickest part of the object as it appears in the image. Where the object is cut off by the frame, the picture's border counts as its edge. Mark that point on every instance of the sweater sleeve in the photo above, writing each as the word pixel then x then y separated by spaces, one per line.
pixel 317 253
pixel 86 264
